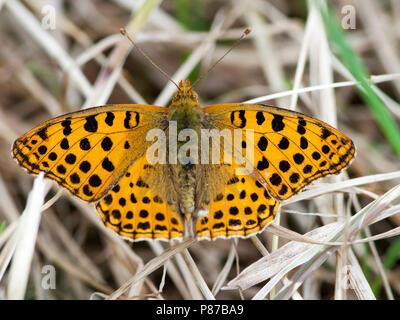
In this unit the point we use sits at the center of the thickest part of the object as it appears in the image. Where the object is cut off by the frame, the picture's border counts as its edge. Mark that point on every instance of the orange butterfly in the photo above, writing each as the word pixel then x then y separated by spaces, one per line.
pixel 99 155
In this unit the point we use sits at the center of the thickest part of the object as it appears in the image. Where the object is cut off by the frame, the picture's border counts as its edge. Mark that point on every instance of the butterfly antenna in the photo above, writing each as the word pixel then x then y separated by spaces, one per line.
pixel 244 35
pixel 125 34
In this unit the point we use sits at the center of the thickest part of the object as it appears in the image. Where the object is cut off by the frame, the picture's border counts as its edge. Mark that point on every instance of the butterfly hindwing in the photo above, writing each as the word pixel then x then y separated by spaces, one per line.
pixel 135 210
pixel 241 210
pixel 87 151
pixel 290 149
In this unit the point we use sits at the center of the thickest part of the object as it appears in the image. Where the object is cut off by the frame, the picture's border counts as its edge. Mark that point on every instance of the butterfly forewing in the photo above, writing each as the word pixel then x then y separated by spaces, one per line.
pixel 290 149
pixel 88 151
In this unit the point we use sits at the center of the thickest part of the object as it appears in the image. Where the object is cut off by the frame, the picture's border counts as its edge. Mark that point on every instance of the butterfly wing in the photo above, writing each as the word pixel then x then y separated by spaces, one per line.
pixel 135 210
pixel 291 150
pixel 87 151
pixel 241 210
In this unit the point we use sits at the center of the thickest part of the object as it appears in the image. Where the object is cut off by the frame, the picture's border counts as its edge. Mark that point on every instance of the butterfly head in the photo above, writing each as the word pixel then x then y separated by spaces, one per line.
pixel 185 94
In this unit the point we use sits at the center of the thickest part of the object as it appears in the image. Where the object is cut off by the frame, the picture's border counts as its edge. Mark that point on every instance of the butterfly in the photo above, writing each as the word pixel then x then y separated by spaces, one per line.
pixel 101 155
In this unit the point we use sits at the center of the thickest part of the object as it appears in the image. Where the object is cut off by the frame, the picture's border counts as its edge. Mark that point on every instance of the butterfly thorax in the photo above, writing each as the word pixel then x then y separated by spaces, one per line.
pixel 185 109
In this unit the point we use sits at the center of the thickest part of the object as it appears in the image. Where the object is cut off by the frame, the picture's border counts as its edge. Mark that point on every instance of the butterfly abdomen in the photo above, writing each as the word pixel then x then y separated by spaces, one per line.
pixel 186 180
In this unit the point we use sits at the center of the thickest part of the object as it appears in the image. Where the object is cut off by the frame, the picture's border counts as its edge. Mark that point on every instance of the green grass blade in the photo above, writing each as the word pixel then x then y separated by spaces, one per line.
pixel 2 227
pixel 354 64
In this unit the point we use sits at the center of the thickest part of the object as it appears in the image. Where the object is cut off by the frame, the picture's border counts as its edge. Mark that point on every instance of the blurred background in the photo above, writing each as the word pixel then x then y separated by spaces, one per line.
pixel 337 61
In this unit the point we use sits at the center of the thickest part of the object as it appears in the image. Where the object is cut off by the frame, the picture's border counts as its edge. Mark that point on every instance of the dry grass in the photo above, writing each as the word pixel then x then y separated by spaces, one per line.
pixel 336 240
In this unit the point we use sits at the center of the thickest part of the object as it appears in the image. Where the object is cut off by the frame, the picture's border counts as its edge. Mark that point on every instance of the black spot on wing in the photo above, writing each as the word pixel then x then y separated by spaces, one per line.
pixel 241 116
pixel 325 133
pixel 67 127
pixel 260 118
pixel 110 119
pixel 107 165
pixel 106 144
pixel 127 119
pixel 42 133
pixel 91 124
pixel 277 123
pixel 84 144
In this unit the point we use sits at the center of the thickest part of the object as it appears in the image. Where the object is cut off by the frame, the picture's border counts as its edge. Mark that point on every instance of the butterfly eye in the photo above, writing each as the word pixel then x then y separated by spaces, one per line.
pixel 194 96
